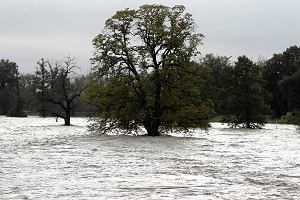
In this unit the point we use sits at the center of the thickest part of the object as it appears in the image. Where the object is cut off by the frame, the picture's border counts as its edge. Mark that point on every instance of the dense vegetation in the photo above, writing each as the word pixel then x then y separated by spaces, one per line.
pixel 149 74
pixel 244 95
pixel 53 90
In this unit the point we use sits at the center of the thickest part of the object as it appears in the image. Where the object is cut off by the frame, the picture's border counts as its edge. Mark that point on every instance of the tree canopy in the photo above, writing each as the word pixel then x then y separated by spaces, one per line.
pixel 144 75
pixel 282 76
pixel 245 96
pixel 10 101
pixel 215 87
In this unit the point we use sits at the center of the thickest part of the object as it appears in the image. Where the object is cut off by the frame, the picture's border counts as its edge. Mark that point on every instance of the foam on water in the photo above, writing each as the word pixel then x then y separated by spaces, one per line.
pixel 41 159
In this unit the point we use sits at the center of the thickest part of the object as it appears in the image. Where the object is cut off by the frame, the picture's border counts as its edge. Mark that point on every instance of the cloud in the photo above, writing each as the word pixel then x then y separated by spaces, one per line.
pixel 31 29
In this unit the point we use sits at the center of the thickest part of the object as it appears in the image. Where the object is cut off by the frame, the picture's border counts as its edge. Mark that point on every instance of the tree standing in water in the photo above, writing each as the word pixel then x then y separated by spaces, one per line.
pixel 245 95
pixel 11 102
pixel 144 74
pixel 58 87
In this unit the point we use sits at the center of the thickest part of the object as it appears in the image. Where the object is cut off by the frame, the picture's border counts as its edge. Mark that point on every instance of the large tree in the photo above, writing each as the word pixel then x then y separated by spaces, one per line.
pixel 215 87
pixel 56 84
pixel 280 73
pixel 143 72
pixel 8 83
pixel 245 95
pixel 10 99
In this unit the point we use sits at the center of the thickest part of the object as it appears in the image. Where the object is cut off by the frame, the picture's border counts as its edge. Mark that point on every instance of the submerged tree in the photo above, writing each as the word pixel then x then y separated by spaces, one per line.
pixel 215 87
pixel 27 88
pixel 245 95
pixel 10 99
pixel 17 109
pixel 42 83
pixel 280 74
pixel 8 81
pixel 144 75
pixel 56 85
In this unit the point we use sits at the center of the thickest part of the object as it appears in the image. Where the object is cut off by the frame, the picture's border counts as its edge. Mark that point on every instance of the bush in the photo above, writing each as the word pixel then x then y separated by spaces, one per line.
pixel 290 118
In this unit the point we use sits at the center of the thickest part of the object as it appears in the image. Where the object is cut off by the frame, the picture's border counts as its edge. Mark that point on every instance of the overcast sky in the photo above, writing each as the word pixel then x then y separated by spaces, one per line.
pixel 54 29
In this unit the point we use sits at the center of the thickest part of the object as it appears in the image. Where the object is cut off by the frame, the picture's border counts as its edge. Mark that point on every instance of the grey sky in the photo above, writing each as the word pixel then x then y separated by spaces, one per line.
pixel 53 29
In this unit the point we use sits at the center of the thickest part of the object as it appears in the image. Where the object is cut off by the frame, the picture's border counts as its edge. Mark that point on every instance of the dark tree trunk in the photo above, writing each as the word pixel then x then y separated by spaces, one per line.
pixel 248 123
pixel 43 113
pixel 152 123
pixel 68 115
pixel 152 127
pixel 67 121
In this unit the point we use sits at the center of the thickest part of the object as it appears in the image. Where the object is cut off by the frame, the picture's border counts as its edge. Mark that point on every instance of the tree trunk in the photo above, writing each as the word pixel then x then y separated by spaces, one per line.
pixel 68 115
pixel 152 127
pixel 152 123
pixel 248 123
pixel 67 121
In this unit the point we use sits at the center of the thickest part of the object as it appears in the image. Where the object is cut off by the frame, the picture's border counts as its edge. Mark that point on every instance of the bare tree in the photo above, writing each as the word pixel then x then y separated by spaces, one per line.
pixel 59 87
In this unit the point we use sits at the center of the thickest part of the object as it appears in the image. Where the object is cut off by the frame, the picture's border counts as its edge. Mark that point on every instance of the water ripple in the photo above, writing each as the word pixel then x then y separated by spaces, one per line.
pixel 41 159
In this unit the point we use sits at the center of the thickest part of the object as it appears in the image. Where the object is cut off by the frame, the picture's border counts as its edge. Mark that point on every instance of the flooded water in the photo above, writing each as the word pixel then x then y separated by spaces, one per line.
pixel 41 159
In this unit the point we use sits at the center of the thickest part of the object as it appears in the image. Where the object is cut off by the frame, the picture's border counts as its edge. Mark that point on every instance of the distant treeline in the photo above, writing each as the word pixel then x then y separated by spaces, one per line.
pixel 272 86
pixel 54 89
pixel 278 76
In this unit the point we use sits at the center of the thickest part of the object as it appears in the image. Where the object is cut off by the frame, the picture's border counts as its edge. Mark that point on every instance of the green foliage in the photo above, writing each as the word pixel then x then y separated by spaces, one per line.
pixel 245 96
pixel 144 75
pixel 290 118
pixel 8 86
pixel 280 73
pixel 8 74
pixel 214 87
pixel 290 87
pixel 41 81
